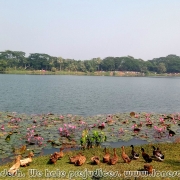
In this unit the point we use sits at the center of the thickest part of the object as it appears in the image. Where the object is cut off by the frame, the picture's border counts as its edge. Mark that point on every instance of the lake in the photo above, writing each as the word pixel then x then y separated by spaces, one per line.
pixel 88 95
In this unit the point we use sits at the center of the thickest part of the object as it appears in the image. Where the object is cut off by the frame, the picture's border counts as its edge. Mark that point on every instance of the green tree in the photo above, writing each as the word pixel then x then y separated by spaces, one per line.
pixel 14 59
pixel 3 65
pixel 90 65
pixel 108 64
pixel 40 61
pixel 60 61
pixel 81 66
pixel 129 64
pixel 96 63
pixel 161 68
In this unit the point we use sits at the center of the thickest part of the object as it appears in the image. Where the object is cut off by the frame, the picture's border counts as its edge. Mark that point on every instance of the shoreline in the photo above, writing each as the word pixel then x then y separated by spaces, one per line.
pixel 124 170
pixel 97 73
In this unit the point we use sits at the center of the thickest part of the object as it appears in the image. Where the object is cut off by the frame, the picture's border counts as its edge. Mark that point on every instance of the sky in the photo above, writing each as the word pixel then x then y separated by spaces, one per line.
pixel 86 29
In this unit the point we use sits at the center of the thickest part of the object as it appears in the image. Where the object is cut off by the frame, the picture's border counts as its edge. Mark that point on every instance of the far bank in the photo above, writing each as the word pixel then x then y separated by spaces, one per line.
pixel 96 73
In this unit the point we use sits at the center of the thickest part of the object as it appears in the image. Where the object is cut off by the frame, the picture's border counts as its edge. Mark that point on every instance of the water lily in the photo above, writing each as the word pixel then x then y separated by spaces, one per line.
pixel 121 130
pixel 148 119
pixel 134 125
pixel 173 120
pixel 61 117
pixel 82 122
pixel 136 128
pixel 67 130
pixel 39 140
pixel 136 115
pixel 2 127
pixel 147 115
pixel 101 125
pixel 161 119
pixel 160 130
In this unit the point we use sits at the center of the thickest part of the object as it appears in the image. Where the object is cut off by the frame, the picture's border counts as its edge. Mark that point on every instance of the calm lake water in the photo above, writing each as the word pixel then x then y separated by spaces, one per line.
pixel 88 95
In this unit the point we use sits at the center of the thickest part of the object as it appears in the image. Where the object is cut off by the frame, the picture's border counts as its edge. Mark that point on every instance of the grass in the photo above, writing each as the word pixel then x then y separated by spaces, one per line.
pixel 96 73
pixel 171 163
pixel 38 72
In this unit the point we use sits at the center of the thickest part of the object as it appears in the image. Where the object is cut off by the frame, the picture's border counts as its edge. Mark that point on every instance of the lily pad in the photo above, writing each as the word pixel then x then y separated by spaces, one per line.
pixel 2 156
pixel 132 114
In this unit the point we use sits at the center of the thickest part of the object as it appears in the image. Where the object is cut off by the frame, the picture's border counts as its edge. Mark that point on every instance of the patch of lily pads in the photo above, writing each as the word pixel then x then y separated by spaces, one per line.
pixel 38 131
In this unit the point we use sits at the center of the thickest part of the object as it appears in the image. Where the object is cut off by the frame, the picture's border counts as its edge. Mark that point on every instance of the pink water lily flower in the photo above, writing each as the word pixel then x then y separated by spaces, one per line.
pixel 161 120
pixel 2 127
pixel 134 126
pixel 160 129
pixel 82 122
pixel 148 115
pixel 136 115
pixel 121 130
pixel 61 117
pixel 67 130
pixel 148 119
pixel 173 120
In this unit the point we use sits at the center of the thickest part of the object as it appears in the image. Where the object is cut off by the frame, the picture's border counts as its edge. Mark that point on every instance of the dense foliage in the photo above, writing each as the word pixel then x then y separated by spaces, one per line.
pixel 17 60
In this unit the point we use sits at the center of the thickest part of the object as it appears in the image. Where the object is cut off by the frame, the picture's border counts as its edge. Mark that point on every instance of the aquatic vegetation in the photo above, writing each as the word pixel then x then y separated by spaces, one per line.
pixel 160 131
pixel 99 137
pixel 2 127
pixel 91 140
pixel 33 138
pixel 36 130
pixel 67 130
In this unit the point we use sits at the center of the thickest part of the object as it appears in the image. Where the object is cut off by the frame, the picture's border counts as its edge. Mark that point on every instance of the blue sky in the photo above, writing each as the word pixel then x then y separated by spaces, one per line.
pixel 86 29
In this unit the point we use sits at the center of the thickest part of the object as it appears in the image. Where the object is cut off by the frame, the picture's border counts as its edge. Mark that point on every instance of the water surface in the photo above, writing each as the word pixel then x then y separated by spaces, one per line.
pixel 88 95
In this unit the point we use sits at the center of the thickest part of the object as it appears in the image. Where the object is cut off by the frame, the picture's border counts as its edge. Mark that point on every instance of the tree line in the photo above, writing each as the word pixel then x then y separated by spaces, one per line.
pixel 16 60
